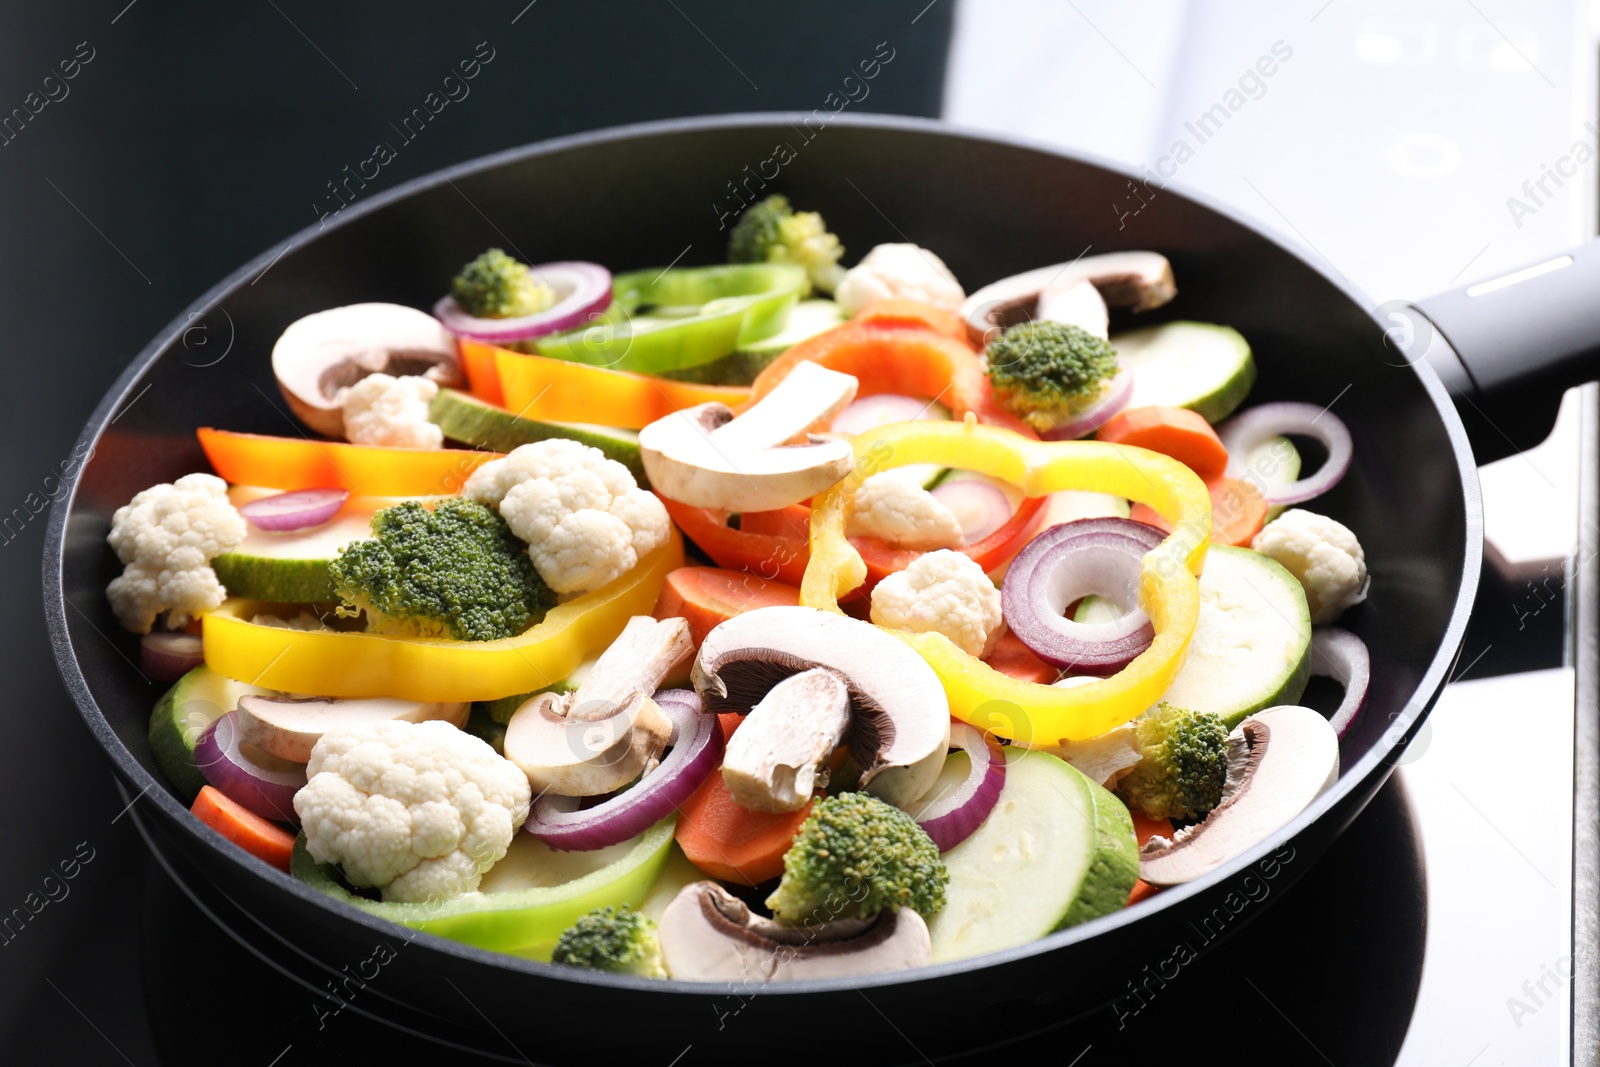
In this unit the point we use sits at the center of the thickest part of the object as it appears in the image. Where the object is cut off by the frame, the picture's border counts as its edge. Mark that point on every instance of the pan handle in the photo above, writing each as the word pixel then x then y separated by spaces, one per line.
pixel 1509 347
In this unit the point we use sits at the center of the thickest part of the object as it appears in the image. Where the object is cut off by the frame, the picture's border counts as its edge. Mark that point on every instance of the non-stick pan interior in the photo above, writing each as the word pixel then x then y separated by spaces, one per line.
pixel 665 195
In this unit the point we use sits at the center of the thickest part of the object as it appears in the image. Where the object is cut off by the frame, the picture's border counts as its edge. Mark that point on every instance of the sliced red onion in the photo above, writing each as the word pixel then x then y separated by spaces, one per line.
pixel 1066 563
pixel 695 754
pixel 979 505
pixel 1249 428
pixel 1113 398
pixel 167 655
pixel 582 290
pixel 1342 656
pixel 951 818
pixel 299 510
pixel 880 409
pixel 247 775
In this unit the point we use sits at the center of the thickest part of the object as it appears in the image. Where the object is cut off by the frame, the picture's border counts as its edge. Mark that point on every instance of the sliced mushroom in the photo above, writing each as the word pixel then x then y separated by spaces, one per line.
pixel 289 727
pixel 771 763
pixel 318 358
pixel 709 935
pixel 1279 761
pixel 705 457
pixel 602 735
pixel 899 718
pixel 1140 280
pixel 1077 302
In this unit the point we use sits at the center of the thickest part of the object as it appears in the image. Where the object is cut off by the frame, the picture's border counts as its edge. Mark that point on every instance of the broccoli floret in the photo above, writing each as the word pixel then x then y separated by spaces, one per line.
pixel 1048 372
pixel 1183 764
pixel 456 571
pixel 495 286
pixel 854 856
pixel 771 231
pixel 619 940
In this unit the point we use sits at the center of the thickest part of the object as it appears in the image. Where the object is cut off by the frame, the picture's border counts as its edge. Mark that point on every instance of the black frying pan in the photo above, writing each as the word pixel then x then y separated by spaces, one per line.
pixel 637 196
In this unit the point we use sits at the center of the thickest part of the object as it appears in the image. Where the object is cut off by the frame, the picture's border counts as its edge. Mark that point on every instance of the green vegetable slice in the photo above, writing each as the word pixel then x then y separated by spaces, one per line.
pixel 671 320
pixel 469 420
pixel 1196 365
pixel 527 899
pixel 1057 850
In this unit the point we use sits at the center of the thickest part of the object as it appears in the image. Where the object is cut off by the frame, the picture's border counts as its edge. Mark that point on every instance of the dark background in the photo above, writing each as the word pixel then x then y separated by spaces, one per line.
pixel 196 137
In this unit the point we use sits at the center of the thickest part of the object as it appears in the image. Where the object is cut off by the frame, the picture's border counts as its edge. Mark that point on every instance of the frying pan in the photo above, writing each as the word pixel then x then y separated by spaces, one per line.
pixel 663 193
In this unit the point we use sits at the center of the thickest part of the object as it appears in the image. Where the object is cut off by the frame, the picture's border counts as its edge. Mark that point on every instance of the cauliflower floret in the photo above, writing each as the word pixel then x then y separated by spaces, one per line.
pixel 893 506
pixel 166 538
pixel 1323 554
pixel 898 272
pixel 381 409
pixel 942 592
pixel 585 519
pixel 419 810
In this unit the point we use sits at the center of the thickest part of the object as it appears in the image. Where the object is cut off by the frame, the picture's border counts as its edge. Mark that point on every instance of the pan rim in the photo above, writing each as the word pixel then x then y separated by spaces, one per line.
pixel 1385 752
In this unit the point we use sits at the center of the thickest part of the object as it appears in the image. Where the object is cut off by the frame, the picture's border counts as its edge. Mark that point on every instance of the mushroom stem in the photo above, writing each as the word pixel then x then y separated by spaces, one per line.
pixel 709 935
pixel 636 662
pixel 772 760
pixel 609 731
pixel 706 457
pixel 1140 280
pixel 1076 302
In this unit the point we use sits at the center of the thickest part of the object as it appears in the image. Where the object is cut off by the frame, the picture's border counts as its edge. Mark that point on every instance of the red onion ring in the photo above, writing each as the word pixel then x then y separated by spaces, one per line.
pixel 257 780
pixel 1249 428
pixel 952 818
pixel 696 752
pixel 869 412
pixel 980 506
pixel 1113 399
pixel 1066 563
pixel 584 289
pixel 167 655
pixel 299 510
pixel 1342 656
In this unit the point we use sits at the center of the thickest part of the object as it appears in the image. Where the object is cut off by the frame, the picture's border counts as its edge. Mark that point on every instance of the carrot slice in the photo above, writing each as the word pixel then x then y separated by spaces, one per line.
pixel 731 842
pixel 708 596
pixel 1144 828
pixel 1238 511
pixel 483 377
pixel 793 521
pixel 1176 432
pixel 912 313
pixel 257 836
pixel 1016 660
pixel 891 357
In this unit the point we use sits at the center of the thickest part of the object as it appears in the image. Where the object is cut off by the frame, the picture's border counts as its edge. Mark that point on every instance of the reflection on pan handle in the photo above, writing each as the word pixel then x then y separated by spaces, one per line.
pixel 1507 348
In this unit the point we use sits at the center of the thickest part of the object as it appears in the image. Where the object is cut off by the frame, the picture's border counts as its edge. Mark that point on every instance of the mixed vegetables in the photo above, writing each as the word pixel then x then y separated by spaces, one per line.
pixel 755 621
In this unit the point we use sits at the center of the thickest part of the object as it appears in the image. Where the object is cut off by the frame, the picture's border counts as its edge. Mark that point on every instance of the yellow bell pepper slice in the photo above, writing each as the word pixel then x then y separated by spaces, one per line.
pixel 366 470
pixel 1168 589
pixel 557 390
pixel 335 664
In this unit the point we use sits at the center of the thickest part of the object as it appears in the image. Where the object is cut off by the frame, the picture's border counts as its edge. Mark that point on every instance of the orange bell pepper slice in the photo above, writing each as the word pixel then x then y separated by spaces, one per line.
pixel 558 390
pixel 906 359
pixel 774 545
pixel 483 377
pixel 913 313
pixel 367 470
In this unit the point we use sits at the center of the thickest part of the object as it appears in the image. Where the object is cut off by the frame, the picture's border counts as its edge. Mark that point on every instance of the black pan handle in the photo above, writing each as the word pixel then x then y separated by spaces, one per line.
pixel 1509 347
